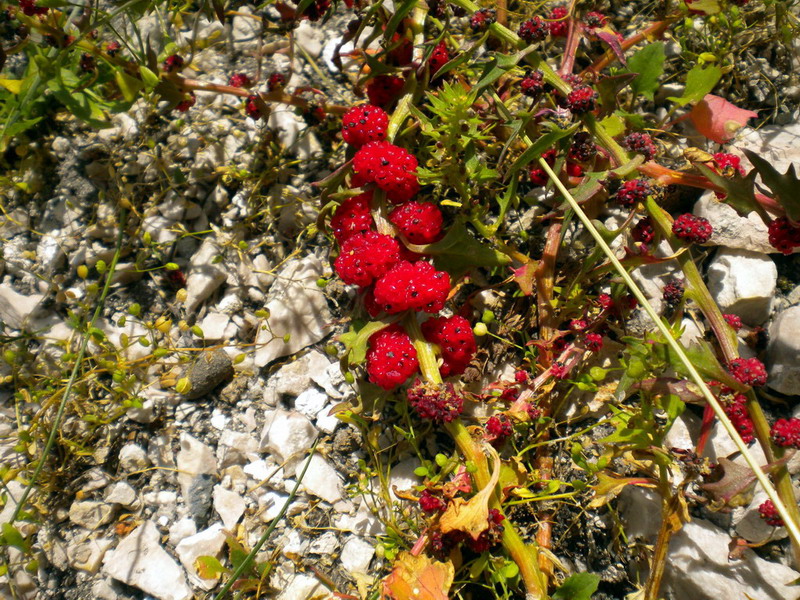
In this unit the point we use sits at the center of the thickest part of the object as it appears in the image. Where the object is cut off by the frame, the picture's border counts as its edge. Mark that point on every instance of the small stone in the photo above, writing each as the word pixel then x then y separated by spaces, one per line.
pixel 88 555
pixel 200 498
pixel 181 530
pixel 294 545
pixel 214 325
pixel 141 562
pixel 235 448
pixel 743 283
pixel 194 458
pixel 16 310
pixel 91 514
pixel 121 493
pixel 322 480
pixel 357 553
pixel 133 457
pixel 205 543
pixel 203 276
pixel 270 505
pixel 783 352
pixel 302 587
pixel 207 371
pixel 310 38
pixel 310 402
pixel 94 479
pixel 229 505
pixel 325 544
pixel 403 477
pixel 730 228
pixel 287 434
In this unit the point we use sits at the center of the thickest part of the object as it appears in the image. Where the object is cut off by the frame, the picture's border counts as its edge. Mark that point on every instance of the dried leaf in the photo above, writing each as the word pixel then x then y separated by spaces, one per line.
pixel 717 119
pixel 609 486
pixel 418 578
pixel 472 516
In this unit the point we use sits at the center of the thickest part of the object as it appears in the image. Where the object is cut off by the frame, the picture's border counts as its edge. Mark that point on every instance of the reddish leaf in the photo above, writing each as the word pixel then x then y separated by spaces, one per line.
pixel 717 119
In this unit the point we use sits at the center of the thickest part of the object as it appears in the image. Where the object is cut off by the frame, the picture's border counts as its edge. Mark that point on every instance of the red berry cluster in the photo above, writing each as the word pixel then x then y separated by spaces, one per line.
pixel 366 256
pixel 734 321
pixel 533 30
pixel 582 99
pixel 30 8
pixel 173 63
pixel 728 164
pixel 532 85
pixel 643 231
pixel 673 292
pixel 641 143
pixel 632 192
pixel 735 406
pixel 582 149
pixel 491 536
pixel 558 21
pixel 784 236
pixel 391 358
pixel 412 286
pixel 239 80
pixel 251 107
pixel 353 216
pixel 593 342
pixel 749 371
pixel 419 222
pixel 692 229
pixel 363 124
pixel 594 19
pixel 456 342
pixel 770 514
pixel 429 503
pixel 187 103
pixel 480 20
pixel 786 433
pixel 440 404
pixel 498 429
pixel 275 82
pixel 391 168
pixel 439 57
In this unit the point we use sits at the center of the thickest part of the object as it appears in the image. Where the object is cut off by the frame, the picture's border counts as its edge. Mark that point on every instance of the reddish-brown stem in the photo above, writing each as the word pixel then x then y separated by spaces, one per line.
pixel 544 280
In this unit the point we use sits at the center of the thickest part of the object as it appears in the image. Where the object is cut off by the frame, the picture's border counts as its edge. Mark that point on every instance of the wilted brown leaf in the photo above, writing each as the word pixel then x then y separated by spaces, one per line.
pixel 418 578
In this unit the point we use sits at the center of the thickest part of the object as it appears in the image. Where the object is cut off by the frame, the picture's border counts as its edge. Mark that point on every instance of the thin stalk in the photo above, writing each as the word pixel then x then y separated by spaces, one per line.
pixel 791 525
pixel 252 554
pixel 51 439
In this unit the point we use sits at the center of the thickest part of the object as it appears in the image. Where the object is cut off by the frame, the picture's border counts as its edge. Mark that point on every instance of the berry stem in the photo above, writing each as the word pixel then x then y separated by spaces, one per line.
pixel 428 364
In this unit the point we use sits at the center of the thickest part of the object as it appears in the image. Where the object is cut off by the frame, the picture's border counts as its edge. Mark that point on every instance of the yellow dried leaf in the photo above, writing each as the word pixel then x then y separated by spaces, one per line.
pixel 472 516
pixel 418 578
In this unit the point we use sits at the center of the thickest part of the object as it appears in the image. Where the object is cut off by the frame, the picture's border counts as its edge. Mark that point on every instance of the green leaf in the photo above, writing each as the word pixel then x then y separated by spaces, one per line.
pixel 12 537
pixel 499 65
pixel 648 65
pixel 609 89
pixel 786 187
pixel 12 85
pixel 739 190
pixel 149 78
pixel 580 586
pixel 459 251
pixel 613 124
pixel 398 16
pixel 539 146
pixel 699 82
pixel 129 86
pixel 355 342
pixel 209 567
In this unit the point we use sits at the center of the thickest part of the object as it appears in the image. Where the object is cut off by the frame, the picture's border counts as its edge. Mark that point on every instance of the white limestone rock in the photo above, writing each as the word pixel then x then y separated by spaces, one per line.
pixel 208 542
pixel 194 458
pixel 322 480
pixel 203 276
pixel 133 457
pixel 730 228
pixel 91 514
pixel 229 505
pixel 357 553
pixel 743 283
pixel 141 562
pixel 287 434
pixel 783 352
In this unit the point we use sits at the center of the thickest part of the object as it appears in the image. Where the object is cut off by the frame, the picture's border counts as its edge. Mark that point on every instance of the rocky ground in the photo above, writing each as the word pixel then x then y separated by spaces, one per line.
pixel 183 472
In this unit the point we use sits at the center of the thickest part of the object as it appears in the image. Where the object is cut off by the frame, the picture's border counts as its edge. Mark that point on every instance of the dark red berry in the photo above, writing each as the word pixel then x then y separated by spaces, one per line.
pixel 384 89
pixel 537 174
pixel 594 342
pixel 582 99
pixel 673 292
pixel 498 429
pixel 173 63
pixel 456 342
pixel 641 143
pixel 391 358
pixel 749 371
pixel 558 23
pixel 437 403
pixel 430 503
pixel 643 231
pixel 785 433
pixel 532 85
pixel 734 321
pixel 632 192
pixel 251 107
pixel 187 103
pixel 364 123
pixel 239 80
pixel 87 63
pixel 275 82
pixel 533 30
pixel 692 229
pixel 783 236
pixel 594 19
pixel 582 149
pixel 770 514
pixel 439 57
pixel 480 20
pixel 419 222
pixel 391 168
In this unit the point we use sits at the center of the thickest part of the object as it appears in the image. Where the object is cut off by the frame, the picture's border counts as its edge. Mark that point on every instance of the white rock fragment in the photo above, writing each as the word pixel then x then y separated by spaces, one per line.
pixel 88 555
pixel 16 310
pixel 743 283
pixel 194 458
pixel 141 562
pixel 91 514
pixel 322 480
pixel 235 448
pixel 215 325
pixel 121 493
pixel 402 476
pixel 362 523
pixel 302 587
pixel 181 530
pixel 325 544
pixel 357 554
pixel 287 434
pixel 294 544
pixel 731 229
pixel 208 542
pixel 298 309
pixel 783 352
pixel 204 277
pixel 310 402
pixel 270 504
pixel 133 457
pixel 310 38
pixel 229 506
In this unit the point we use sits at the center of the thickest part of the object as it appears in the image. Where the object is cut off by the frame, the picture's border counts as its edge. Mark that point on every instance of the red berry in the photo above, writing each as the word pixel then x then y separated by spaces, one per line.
pixel 582 99
pixel 749 371
pixel 673 292
pixel 578 324
pixel 605 301
pixel 430 503
pixel 391 168
pixel 537 174
pixel 559 370
pixel 692 229
pixel 239 80
pixel 558 22
pixel 783 236
pixel 420 222
pixel 521 376
pixel 785 433
pixel 491 536
pixel 251 107
pixel 729 164
pixel 187 103
pixel 363 124
pixel 533 30
pixel 316 10
pixel 532 85
pixel 439 57
pixel 391 358
pixel 365 257
pixel 276 82
pixel 641 143
pixel 583 148
pixel 456 342
pixel 353 216
pixel 383 89
pixel 734 321
pixel 770 514
pixel 643 231
pixel 401 52
pixel 574 169
pixel 437 403
pixel 498 428
pixel 480 20
pixel 735 406
pixel 30 9
pixel 593 341
pixel 417 286
pixel 633 191
pixel 112 48
pixel 173 63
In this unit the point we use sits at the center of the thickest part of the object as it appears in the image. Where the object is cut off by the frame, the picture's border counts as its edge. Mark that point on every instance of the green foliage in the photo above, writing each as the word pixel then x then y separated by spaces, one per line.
pixel 699 82
pixel 579 586
pixel 648 65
